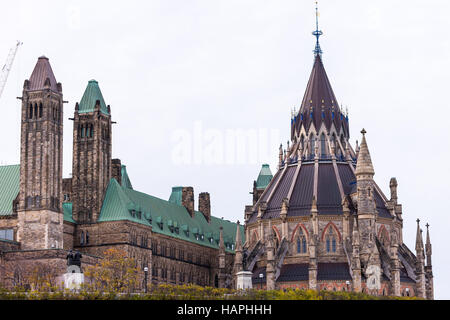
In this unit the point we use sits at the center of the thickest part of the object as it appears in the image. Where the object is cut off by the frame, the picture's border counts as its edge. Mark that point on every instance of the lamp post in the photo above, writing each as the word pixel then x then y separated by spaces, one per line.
pixel 145 278
pixel 261 276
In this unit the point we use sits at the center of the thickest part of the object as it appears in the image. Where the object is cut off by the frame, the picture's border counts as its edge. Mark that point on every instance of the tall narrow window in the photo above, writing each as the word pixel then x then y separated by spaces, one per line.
pixel 323 150
pixel 301 241
pixel 330 239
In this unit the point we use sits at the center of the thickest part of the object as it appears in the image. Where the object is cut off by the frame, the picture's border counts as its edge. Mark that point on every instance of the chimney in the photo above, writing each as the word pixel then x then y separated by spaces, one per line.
pixel 204 205
pixel 187 199
pixel 116 170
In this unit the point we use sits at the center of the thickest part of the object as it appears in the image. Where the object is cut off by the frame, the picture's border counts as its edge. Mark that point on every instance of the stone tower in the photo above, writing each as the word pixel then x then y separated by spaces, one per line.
pixel 366 204
pixel 91 165
pixel 40 219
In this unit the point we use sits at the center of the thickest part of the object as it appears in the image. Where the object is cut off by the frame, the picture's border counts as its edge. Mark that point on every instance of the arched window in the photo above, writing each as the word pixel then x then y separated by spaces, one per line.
pixel 330 240
pixel 323 150
pixel 275 238
pixel 384 237
pixel 301 241
pixel 312 143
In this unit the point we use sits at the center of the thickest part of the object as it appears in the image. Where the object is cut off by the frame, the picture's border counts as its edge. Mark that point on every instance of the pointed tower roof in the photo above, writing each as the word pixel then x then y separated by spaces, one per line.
pixel 364 162
pixel 319 104
pixel 90 97
pixel 264 177
pixel 419 241
pixel 238 237
pixel 42 76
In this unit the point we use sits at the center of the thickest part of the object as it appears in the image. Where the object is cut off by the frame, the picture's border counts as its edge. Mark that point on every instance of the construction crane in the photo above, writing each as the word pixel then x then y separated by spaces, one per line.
pixel 7 66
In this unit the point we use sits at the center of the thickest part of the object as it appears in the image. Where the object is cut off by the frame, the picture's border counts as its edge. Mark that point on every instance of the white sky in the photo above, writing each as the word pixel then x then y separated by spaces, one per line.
pixel 170 67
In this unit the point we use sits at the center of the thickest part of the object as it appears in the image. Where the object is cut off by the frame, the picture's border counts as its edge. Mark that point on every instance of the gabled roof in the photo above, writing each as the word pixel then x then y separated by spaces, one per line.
pixel 90 97
pixel 42 71
pixel 9 187
pixel 264 177
pixel 319 104
pixel 165 217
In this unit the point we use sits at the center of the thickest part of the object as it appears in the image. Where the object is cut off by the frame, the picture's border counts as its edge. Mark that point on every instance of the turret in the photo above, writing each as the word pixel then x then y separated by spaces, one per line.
pixel 420 263
pixel 366 204
pixel 238 251
pixel 428 268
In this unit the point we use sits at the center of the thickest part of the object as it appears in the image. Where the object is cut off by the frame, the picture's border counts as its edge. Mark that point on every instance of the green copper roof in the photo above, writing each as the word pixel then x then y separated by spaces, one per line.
pixel 125 179
pixel 9 187
pixel 67 210
pixel 90 96
pixel 265 175
pixel 175 196
pixel 165 217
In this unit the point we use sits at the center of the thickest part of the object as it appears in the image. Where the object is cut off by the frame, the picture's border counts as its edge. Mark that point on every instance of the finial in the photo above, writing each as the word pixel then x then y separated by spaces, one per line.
pixel 317 33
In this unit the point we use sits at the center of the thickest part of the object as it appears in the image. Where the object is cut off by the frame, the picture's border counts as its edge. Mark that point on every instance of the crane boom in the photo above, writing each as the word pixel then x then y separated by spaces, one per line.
pixel 7 66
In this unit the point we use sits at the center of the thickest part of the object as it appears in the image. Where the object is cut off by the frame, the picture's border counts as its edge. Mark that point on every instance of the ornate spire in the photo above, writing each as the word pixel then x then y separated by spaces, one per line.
pixel 419 241
pixel 238 237
pixel 317 33
pixel 428 246
pixel 364 162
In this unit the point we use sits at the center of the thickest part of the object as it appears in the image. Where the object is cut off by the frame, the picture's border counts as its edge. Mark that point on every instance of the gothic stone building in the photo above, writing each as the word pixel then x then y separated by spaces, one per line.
pixel 322 222
pixel 43 215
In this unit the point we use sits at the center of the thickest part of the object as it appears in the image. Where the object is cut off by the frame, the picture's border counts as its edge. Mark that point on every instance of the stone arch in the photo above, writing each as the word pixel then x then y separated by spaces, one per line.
pixel 302 226
pixel 277 233
pixel 331 224
pixel 254 237
pixel 383 236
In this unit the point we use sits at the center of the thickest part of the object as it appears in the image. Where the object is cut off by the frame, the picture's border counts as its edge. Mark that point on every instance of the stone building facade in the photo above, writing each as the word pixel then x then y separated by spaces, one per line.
pixel 322 222
pixel 43 215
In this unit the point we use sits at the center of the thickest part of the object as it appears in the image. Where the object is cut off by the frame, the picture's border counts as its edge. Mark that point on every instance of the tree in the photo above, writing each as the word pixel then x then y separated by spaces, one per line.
pixel 115 273
pixel 42 276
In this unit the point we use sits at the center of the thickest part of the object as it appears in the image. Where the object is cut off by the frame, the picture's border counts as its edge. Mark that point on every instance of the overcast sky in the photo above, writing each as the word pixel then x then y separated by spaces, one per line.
pixel 185 77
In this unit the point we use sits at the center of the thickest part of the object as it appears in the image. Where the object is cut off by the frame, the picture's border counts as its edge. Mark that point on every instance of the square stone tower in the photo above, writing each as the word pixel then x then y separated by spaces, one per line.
pixel 40 218
pixel 91 166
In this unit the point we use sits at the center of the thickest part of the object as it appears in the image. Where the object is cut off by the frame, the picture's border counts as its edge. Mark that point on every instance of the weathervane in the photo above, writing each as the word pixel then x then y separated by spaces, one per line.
pixel 317 33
